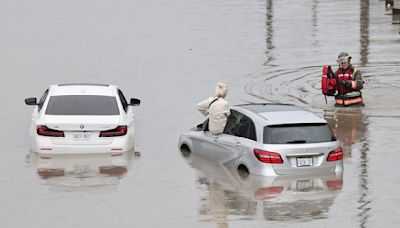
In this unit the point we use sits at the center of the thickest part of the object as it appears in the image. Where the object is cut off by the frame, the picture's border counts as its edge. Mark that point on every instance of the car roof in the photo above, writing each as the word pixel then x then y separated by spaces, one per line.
pixel 278 114
pixel 82 89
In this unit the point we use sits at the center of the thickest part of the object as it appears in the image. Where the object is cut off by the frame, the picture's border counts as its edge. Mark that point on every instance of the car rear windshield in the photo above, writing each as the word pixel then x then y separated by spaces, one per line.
pixel 82 105
pixel 298 133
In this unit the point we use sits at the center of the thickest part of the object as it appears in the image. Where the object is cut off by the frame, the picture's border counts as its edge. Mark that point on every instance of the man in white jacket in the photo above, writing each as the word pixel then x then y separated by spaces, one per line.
pixel 216 108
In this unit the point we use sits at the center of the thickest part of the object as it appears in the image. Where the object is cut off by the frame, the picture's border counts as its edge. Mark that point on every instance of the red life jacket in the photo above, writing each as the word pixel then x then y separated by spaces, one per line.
pixel 343 98
pixel 328 82
pixel 344 75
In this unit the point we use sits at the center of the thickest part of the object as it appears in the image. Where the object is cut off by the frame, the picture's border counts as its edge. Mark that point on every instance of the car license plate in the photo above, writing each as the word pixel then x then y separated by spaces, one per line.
pixel 81 136
pixel 304 161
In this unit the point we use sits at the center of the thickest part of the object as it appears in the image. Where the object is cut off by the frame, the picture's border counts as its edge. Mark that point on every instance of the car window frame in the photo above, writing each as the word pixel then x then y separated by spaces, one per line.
pixel 122 98
pixel 43 99
pixel 232 126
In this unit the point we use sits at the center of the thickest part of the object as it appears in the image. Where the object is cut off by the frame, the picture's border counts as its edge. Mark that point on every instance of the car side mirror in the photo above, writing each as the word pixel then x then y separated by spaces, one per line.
pixel 135 102
pixel 31 101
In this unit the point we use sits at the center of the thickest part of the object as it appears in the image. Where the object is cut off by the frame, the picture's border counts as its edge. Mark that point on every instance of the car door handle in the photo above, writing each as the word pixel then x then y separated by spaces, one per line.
pixel 215 138
pixel 237 144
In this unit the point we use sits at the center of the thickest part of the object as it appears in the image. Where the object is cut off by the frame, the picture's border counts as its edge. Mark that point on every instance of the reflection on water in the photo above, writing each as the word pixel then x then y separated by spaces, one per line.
pixel 77 171
pixel 302 86
pixel 314 21
pixel 350 127
pixel 364 31
pixel 253 197
pixel 270 31
pixel 364 198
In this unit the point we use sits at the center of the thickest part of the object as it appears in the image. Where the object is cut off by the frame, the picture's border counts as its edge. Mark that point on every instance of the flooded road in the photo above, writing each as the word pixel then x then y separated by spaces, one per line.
pixel 170 54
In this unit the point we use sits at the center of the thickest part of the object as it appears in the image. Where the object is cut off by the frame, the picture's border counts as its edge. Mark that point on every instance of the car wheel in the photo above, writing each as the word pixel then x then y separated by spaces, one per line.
pixel 185 150
pixel 243 171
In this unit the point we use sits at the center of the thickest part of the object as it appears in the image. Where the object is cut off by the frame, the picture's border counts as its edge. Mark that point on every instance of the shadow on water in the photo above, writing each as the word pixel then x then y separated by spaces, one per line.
pixel 81 171
pixel 282 198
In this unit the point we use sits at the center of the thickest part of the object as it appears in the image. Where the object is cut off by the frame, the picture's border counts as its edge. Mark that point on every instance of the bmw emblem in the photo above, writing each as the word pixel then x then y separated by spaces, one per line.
pixel 82 126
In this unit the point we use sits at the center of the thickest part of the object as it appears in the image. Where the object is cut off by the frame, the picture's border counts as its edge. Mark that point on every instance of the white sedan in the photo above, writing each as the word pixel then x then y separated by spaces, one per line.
pixel 82 118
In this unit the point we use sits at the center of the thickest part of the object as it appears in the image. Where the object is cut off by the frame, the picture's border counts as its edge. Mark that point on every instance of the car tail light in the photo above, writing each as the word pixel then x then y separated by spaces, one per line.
pixel 119 131
pixel 268 157
pixel 335 155
pixel 45 131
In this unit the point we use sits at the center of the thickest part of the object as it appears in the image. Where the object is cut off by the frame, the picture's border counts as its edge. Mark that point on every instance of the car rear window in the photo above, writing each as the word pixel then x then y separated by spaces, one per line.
pixel 82 105
pixel 298 133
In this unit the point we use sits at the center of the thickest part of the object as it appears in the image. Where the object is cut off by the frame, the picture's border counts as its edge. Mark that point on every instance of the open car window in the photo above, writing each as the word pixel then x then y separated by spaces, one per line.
pixel 232 123
pixel 240 125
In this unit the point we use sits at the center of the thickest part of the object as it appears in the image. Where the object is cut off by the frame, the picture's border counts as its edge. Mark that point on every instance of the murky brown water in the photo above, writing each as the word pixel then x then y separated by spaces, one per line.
pixel 170 54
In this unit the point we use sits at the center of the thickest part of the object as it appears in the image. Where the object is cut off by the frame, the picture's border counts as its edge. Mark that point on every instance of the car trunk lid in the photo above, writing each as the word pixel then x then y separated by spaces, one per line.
pixel 303 158
pixel 81 123
pixel 82 130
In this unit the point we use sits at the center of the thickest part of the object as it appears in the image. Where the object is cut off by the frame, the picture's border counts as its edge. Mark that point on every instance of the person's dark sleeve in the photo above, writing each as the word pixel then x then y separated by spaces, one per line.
pixel 357 77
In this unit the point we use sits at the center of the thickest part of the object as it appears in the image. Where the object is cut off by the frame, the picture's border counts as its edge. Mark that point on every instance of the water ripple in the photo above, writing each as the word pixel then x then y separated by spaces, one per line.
pixel 301 86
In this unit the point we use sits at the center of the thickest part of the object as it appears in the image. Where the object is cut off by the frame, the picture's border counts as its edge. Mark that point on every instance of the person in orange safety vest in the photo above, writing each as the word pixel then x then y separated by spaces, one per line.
pixel 349 83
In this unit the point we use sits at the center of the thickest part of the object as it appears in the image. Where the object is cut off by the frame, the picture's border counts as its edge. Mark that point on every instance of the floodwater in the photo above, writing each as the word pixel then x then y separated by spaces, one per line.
pixel 170 54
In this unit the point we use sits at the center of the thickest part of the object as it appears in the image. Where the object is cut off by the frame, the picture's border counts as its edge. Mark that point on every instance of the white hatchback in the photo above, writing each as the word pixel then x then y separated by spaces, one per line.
pixel 82 118
pixel 270 140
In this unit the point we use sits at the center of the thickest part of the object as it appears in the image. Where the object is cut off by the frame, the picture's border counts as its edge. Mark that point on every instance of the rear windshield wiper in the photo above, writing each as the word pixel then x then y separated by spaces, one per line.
pixel 297 141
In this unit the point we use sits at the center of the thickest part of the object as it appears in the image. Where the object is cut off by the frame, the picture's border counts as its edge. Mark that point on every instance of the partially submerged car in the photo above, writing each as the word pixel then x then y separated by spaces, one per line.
pixel 270 140
pixel 82 118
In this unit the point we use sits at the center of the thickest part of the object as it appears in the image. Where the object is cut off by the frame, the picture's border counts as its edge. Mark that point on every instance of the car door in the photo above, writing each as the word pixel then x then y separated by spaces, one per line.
pixel 246 137
pixel 230 145
pixel 208 145
pixel 219 148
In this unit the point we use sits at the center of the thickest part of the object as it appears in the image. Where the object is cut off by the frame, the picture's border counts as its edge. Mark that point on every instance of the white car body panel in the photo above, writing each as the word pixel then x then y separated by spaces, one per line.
pixel 89 123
